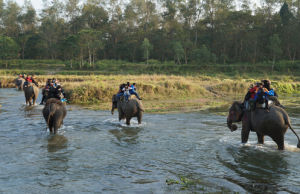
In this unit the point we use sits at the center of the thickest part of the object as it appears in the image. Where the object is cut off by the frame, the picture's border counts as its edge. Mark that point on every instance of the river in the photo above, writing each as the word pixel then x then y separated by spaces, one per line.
pixel 95 153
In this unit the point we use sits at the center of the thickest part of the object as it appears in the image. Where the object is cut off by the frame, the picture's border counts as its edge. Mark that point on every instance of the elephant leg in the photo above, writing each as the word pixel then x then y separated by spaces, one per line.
pixel 128 121
pixel 279 140
pixel 245 129
pixel 55 128
pixel 245 134
pixel 260 138
pixel 34 100
pixel 51 127
pixel 139 117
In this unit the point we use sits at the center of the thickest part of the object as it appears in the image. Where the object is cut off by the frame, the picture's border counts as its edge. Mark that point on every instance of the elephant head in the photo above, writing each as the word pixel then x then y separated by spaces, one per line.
pixel 114 103
pixel 235 115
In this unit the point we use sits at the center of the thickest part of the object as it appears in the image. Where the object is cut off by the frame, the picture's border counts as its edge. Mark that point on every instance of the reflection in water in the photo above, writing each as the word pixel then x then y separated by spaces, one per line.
pixel 56 163
pixel 57 142
pixel 126 134
pixel 30 111
pixel 259 171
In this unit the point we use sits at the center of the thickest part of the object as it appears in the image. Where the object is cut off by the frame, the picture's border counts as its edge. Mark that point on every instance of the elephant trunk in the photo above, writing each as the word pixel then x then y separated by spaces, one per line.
pixel 114 103
pixel 112 108
pixel 231 126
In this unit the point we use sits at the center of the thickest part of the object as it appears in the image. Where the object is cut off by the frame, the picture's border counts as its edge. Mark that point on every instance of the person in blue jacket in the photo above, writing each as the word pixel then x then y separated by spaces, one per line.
pixel 264 93
pixel 267 85
pixel 132 91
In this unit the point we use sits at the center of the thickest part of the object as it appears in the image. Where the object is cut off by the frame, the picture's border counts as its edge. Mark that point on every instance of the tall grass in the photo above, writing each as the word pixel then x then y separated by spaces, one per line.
pixel 162 92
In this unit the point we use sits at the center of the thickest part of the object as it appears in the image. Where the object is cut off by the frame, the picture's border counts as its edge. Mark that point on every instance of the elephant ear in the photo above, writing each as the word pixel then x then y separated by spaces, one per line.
pixel 122 98
pixel 238 107
pixel 114 98
pixel 242 106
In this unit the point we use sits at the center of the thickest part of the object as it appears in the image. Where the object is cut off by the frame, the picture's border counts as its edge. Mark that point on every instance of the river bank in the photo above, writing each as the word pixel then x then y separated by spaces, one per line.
pixel 166 93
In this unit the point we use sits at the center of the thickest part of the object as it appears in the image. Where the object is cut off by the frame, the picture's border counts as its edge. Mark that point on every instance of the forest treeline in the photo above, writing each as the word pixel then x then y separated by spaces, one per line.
pixel 183 31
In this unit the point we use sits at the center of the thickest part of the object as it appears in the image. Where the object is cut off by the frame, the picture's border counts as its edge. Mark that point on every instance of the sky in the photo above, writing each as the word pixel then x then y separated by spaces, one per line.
pixel 37 4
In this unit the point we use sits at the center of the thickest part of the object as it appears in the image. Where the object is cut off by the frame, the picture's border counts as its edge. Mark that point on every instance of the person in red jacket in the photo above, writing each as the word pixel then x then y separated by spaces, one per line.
pixel 28 79
pixel 250 96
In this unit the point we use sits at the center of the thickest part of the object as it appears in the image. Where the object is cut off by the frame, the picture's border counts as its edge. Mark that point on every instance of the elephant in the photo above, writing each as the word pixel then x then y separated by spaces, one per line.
pixel 54 113
pixel 31 92
pixel 273 123
pixel 127 110
pixel 19 83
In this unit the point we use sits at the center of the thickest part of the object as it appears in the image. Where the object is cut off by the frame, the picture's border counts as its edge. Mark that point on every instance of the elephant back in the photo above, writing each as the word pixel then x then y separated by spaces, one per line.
pixel 54 112
pixel 18 81
pixel 52 105
pixel 276 116
pixel 28 89
pixel 137 103
pixel 31 88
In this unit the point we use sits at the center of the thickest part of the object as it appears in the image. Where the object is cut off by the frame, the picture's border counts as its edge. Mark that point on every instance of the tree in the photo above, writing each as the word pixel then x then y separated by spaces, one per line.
pixel 72 13
pixel 10 19
pixel 52 29
pixel 178 51
pixel 274 47
pixel 203 55
pixel 27 21
pixel 94 16
pixel 8 48
pixel 147 47
pixel 285 14
pixel 90 41
pixel 71 48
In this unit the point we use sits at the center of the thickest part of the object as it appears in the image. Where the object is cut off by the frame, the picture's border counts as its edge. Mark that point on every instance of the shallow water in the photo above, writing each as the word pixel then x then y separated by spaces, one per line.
pixel 93 152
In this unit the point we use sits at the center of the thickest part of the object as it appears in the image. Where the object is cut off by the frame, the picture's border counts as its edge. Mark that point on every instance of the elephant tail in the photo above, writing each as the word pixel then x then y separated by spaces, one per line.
pixel 298 145
pixel 51 110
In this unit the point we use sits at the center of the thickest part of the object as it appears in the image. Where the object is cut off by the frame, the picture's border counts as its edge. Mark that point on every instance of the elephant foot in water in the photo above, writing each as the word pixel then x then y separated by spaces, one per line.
pixel 128 121
pixel 260 138
pixel 279 140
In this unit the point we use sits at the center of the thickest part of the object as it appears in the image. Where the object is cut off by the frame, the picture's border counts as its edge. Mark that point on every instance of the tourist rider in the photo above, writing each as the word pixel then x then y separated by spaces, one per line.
pixel 267 85
pixel 126 92
pixel 56 92
pixel 247 98
pixel 272 95
pixel 121 90
pixel 27 80
pixel 59 92
pixel 54 81
pixel 33 80
pixel 132 90
pixel 46 91
pixel 250 96
pixel 262 95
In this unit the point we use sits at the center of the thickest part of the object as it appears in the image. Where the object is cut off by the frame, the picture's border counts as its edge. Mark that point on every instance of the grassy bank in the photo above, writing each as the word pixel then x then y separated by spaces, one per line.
pixel 167 93
pixel 118 67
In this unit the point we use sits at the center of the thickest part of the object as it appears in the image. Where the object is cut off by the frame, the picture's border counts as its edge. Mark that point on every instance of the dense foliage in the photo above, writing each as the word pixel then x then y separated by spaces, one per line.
pixel 185 31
